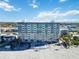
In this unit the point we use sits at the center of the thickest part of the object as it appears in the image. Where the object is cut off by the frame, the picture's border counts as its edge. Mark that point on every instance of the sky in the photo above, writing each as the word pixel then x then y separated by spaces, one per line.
pixel 39 10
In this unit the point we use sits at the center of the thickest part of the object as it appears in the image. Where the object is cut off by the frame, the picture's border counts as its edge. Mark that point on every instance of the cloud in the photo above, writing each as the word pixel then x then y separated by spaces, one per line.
pixel 7 7
pixel 62 1
pixel 6 0
pixel 72 13
pixel 56 15
pixel 34 4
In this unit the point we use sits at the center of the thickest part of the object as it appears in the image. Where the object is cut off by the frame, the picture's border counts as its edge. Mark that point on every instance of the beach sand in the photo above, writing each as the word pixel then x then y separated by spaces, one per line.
pixel 44 52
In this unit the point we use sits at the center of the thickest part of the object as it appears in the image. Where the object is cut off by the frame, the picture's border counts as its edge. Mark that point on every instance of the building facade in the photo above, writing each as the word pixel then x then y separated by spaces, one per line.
pixel 38 31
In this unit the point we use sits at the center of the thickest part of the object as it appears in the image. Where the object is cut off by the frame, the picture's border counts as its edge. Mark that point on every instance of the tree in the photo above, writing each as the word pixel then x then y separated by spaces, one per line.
pixel 76 40
pixel 66 39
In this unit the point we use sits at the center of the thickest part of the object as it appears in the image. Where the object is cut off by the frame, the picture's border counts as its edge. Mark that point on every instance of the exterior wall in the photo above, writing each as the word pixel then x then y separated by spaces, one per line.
pixel 38 31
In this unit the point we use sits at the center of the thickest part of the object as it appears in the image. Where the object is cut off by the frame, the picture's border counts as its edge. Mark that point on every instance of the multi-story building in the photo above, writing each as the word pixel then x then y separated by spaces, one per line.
pixel 38 31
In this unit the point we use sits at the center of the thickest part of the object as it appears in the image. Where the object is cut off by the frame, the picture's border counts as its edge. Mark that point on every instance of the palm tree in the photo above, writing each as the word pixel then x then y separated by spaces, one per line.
pixel 66 39
pixel 76 40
